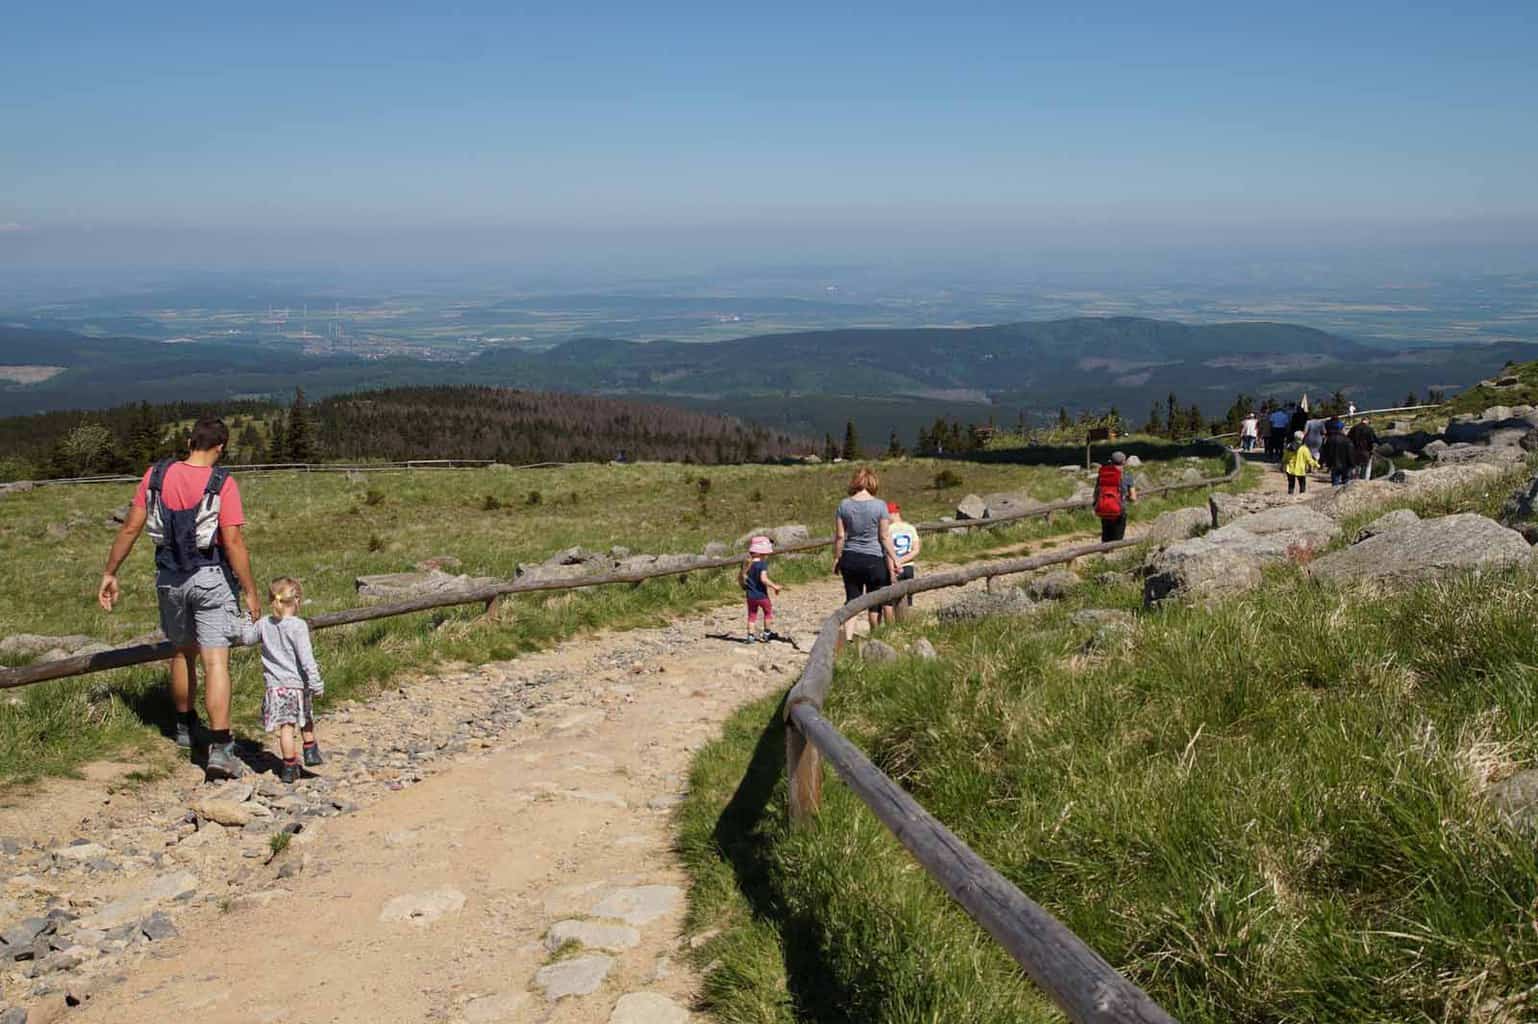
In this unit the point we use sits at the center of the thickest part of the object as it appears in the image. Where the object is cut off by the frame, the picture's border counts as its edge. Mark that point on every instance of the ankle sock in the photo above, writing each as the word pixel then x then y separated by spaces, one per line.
pixel 220 736
pixel 312 744
pixel 188 718
pixel 291 760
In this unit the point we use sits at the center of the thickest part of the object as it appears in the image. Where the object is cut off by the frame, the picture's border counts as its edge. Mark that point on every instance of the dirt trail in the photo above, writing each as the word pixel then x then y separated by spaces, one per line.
pixel 467 830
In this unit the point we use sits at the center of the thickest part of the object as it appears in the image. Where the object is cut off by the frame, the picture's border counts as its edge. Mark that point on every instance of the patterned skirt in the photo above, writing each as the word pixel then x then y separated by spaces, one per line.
pixel 286 705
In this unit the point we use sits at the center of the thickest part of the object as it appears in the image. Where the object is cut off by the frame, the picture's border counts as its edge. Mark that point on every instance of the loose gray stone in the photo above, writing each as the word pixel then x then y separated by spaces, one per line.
pixel 1394 520
pixel 639 905
pixel 579 976
pixel 1431 546
pixel 922 648
pixel 135 905
pixel 787 535
pixel 25 932
pixel 717 549
pixel 647 1008
pixel 158 927
pixel 494 1009
pixel 611 938
pixel 30 645
pixel 422 908
pixel 877 651
pixel 80 853
pixel 15 1015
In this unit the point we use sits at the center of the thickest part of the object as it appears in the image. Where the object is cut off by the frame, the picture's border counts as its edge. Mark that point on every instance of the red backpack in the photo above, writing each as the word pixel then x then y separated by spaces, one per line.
pixel 1108 493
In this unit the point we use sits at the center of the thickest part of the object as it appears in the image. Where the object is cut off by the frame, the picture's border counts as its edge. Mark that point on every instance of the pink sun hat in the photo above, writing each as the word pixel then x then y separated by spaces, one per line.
pixel 760 545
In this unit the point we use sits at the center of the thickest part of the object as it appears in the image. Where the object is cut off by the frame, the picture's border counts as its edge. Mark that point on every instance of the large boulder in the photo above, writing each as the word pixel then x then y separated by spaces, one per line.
pixel 1499 425
pixel 1463 452
pixel 1006 504
pixel 1394 520
pixel 396 586
pixel 1053 585
pixel 1458 542
pixel 972 507
pixel 1370 495
pixel 1202 568
pixel 1178 524
pixel 980 604
pixel 1292 526
pixel 1225 508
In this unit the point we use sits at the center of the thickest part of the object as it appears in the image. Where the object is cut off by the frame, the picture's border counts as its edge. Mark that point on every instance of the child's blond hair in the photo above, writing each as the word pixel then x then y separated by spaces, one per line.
pixel 285 593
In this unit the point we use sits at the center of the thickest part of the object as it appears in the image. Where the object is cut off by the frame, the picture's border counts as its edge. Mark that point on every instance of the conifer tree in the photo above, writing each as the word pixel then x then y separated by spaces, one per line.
pixel 851 441
pixel 829 449
pixel 277 440
pixel 894 447
pixel 301 438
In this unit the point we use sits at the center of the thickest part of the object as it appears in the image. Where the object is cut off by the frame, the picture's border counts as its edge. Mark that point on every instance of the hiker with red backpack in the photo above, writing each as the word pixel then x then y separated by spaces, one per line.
pixel 192 511
pixel 1114 491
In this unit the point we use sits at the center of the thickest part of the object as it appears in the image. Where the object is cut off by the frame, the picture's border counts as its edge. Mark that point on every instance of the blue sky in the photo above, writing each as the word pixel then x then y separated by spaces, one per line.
pixel 197 128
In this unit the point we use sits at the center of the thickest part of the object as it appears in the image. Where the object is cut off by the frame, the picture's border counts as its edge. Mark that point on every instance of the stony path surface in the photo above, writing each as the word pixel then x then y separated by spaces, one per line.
pixel 492 844
pixel 486 844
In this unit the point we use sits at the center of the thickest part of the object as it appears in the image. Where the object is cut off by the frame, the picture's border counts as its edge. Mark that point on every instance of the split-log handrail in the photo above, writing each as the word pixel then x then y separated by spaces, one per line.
pixel 1082 984
pixel 140 654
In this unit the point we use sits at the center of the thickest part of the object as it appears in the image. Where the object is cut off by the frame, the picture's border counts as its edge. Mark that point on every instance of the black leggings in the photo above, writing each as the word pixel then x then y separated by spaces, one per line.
pixel 862 573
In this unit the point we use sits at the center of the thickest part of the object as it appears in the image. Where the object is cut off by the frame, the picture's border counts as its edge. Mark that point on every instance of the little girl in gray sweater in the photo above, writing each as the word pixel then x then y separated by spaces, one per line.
pixel 292 676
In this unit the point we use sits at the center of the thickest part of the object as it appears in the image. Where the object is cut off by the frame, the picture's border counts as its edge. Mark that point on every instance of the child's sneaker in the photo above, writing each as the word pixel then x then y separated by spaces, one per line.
pixel 750 638
pixel 765 637
pixel 312 755
pixel 290 771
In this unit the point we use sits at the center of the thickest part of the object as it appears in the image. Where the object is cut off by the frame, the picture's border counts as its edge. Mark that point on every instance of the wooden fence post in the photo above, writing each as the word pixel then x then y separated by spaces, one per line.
pixel 803 770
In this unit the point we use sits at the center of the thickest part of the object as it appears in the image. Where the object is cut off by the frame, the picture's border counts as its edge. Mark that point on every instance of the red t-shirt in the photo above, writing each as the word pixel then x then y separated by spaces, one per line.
pixel 183 489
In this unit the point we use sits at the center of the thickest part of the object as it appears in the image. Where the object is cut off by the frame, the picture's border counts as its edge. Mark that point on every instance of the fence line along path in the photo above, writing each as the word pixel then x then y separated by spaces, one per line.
pixel 140 654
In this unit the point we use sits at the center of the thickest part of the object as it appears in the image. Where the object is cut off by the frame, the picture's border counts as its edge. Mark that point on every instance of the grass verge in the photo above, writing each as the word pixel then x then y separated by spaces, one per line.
pixel 1271 810
pixel 319 528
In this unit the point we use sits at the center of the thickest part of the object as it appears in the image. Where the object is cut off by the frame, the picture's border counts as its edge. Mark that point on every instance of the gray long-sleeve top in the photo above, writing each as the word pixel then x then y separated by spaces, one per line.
pixel 288 660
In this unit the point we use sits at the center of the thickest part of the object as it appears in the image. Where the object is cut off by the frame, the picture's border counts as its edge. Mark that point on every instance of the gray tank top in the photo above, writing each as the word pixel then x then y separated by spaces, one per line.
pixel 862 524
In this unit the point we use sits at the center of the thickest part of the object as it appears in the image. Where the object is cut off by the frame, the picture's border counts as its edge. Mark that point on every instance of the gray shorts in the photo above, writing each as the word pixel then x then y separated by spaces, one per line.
pixel 199 611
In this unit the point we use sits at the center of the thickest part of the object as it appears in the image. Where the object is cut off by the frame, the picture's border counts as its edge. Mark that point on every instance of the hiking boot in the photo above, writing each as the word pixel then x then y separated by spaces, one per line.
pixel 290 772
pixel 222 763
pixel 186 733
pixel 312 755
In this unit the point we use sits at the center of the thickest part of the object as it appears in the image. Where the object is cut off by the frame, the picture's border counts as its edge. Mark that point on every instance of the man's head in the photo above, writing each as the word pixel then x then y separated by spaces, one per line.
pixel 1118 458
pixel 208 434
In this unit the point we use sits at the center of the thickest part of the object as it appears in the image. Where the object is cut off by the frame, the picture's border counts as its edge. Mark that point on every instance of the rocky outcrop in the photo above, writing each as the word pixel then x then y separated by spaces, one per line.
pixel 1370 495
pixel 788 535
pixel 397 586
pixel 1394 520
pixel 1230 559
pixel 1200 568
pixel 1226 508
pixel 1426 548
pixel 50 648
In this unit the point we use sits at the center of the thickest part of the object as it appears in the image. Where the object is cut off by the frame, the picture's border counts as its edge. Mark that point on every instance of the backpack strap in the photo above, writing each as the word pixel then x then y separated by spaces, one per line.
pixel 215 484
pixel 158 476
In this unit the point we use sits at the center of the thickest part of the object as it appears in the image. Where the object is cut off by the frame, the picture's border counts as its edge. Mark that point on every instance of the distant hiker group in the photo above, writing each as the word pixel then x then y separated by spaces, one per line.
pixel 1301 444
pixel 192 510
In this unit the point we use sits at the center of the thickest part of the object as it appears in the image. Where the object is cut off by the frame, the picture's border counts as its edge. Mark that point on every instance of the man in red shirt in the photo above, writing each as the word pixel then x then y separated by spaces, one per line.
pixel 194 514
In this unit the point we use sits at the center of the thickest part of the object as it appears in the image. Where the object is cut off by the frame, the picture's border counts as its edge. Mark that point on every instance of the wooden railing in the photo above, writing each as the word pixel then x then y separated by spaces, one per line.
pixel 1087 988
pixel 489 595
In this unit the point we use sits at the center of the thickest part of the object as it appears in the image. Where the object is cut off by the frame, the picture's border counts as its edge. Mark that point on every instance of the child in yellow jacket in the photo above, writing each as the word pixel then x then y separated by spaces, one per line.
pixel 1296 462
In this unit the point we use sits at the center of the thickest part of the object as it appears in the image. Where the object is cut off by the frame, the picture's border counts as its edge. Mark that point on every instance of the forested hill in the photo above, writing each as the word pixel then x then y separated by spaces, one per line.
pixel 527 426
pixel 1020 357
pixel 498 424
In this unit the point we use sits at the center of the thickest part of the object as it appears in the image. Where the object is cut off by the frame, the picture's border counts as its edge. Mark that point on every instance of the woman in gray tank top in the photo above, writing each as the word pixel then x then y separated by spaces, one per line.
pixel 862 544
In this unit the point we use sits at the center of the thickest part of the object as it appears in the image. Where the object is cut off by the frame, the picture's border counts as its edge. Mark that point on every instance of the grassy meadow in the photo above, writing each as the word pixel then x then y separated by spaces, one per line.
pixel 326 531
pixel 1270 810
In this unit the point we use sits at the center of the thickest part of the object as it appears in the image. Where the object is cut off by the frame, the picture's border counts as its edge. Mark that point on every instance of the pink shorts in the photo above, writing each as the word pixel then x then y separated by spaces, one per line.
pixel 760 604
